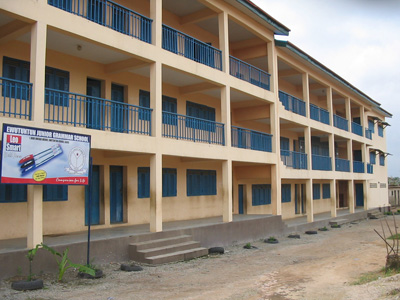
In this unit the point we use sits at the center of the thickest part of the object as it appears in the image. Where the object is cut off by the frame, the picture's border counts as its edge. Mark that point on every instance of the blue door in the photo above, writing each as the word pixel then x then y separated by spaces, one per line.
pixel 116 194
pixel 118 110
pixel 94 106
pixel 296 205
pixel 95 203
pixel 359 194
pixel 241 195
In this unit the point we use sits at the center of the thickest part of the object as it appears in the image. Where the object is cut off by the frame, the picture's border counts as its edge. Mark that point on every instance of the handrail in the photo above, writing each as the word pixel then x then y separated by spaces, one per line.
pixel 249 73
pixel 16 100
pixel 251 139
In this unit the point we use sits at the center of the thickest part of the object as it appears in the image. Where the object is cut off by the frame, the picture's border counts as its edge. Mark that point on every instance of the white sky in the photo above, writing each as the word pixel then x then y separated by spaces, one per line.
pixel 357 39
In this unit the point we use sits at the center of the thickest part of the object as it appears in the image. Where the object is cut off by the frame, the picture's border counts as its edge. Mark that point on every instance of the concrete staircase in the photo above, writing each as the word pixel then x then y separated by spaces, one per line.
pixel 166 249
pixel 376 214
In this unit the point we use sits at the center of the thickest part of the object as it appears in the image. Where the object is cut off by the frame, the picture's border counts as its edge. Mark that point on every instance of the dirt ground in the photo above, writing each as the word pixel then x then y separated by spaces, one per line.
pixel 321 266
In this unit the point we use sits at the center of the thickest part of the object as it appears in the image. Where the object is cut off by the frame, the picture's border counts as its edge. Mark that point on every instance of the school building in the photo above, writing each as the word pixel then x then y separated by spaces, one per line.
pixel 195 109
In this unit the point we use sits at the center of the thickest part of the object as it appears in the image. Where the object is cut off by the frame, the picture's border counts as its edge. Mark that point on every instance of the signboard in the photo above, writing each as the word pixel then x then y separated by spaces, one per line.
pixel 40 156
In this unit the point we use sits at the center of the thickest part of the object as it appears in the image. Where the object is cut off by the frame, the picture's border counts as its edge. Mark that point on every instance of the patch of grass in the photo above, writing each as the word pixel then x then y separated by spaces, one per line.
pixel 394 292
pixel 394 237
pixel 247 246
pixel 373 276
pixel 388 213
pixel 272 239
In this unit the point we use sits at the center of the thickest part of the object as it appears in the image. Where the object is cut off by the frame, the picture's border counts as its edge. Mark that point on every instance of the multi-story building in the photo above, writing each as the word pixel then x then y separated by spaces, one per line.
pixel 194 111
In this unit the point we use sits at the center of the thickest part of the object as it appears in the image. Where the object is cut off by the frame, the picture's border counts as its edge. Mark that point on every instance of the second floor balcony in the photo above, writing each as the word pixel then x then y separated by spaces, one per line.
pixel 16 99
pixel 342 165
pixel 319 114
pixel 358 167
pixel 251 139
pixel 295 160
pixel 292 103
pixel 191 48
pixel 193 129
pixel 340 122
pixel 249 73
pixel 356 129
pixel 96 113
pixel 109 14
pixel 322 163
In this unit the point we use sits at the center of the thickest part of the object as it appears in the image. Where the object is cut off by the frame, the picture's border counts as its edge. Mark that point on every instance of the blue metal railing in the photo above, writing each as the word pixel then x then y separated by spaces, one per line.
pixel 183 127
pixel 16 99
pixel 356 129
pixel 319 114
pixel 292 103
pixel 96 113
pixel 187 46
pixel 340 122
pixel 322 163
pixel 342 165
pixel 251 139
pixel 368 133
pixel 249 73
pixel 370 169
pixel 295 160
pixel 109 14
pixel 358 167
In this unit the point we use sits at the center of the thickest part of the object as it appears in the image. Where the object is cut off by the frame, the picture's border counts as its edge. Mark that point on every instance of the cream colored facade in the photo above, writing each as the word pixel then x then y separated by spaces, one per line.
pixel 102 41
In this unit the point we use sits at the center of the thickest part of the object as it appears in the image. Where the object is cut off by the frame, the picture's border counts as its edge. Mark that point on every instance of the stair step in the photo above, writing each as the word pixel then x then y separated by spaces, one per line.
pixel 338 222
pixel 159 242
pixel 143 254
pixel 177 256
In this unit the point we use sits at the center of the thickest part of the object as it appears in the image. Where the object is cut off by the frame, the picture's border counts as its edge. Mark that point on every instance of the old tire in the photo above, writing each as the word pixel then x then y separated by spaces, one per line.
pixel 294 236
pixel 131 268
pixel 311 232
pixel 216 250
pixel 98 274
pixel 271 241
pixel 24 285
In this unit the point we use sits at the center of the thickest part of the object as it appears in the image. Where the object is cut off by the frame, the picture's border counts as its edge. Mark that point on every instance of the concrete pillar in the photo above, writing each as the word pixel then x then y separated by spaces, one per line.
pixel 307 145
pixel 351 196
pixel 35 216
pixel 363 119
pixel 156 27
pixel 306 92
pixel 156 98
pixel 227 190
pixel 223 32
pixel 309 201
pixel 275 130
pixel 350 154
pixel 364 156
pixel 330 104
pixel 156 193
pixel 348 111
pixel 332 184
pixel 273 67
pixel 366 193
pixel 106 184
pixel 226 113
pixel 332 151
pixel 37 70
pixel 276 197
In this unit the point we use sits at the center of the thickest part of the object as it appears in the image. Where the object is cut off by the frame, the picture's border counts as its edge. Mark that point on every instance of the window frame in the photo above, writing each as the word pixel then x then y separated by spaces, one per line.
pixel 206 180
pixel 326 191
pixel 286 193
pixel 316 191
pixel 261 194
pixel 55 192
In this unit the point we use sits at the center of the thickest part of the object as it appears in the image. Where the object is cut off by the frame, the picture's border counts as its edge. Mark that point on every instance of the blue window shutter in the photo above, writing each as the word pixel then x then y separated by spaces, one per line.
pixel 316 191
pixel 201 182
pixel 144 101
pixel 143 182
pixel 372 158
pixel 12 193
pixel 169 182
pixel 371 126
pixel 286 193
pixel 55 193
pixel 326 191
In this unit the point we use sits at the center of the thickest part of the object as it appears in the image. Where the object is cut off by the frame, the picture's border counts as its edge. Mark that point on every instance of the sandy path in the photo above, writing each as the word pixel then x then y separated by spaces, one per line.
pixel 313 267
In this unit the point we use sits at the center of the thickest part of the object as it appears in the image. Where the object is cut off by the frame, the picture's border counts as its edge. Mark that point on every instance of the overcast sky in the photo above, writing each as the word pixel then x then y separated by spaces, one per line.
pixel 357 39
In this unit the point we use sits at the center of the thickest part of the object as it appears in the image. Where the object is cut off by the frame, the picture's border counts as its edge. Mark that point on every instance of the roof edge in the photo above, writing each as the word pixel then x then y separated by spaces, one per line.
pixel 328 71
pixel 280 29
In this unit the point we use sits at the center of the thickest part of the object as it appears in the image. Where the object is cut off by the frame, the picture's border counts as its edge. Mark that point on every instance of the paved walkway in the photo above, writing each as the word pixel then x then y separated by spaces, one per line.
pixel 11 245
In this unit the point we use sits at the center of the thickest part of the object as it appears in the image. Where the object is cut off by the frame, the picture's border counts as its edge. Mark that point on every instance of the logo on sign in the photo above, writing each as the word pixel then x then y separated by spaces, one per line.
pixel 13 143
